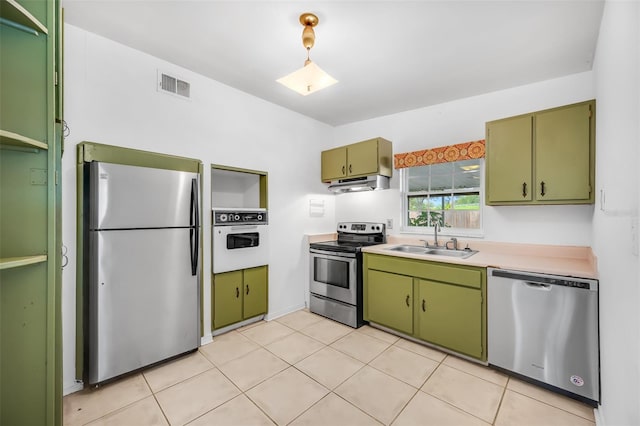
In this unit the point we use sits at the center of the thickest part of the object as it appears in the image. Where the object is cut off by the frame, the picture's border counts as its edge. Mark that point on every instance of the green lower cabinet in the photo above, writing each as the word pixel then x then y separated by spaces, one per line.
pixel 255 291
pixel 239 295
pixel 450 316
pixel 390 300
pixel 227 298
pixel 440 303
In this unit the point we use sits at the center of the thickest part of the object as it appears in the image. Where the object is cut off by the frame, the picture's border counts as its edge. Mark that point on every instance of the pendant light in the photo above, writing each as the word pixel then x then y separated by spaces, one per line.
pixel 310 78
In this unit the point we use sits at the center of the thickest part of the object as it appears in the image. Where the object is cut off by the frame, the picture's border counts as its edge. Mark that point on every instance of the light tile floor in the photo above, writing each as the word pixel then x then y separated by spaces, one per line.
pixel 303 369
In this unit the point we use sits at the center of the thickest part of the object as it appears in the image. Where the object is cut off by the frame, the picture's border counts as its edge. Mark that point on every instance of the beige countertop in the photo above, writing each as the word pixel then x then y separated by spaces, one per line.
pixel 577 261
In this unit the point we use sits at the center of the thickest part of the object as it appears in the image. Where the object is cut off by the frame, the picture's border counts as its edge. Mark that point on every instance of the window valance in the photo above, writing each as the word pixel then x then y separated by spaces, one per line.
pixel 444 154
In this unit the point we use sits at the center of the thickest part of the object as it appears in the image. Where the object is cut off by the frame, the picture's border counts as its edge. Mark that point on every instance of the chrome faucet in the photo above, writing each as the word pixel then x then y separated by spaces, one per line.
pixel 453 241
pixel 436 228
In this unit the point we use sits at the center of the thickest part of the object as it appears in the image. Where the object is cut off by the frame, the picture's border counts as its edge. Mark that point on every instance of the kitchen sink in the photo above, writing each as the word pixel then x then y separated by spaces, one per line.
pixel 409 249
pixel 406 248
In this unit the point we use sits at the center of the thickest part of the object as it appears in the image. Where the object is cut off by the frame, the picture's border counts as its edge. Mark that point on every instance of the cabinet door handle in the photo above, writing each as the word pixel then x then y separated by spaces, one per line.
pixel 247 288
pixel 542 188
pixel 237 292
pixel 407 300
pixel 424 305
pixel 524 189
pixel 342 169
pixel 349 168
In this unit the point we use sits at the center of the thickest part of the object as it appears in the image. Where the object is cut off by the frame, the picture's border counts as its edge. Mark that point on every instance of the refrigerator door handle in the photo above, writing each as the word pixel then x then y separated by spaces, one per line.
pixel 194 224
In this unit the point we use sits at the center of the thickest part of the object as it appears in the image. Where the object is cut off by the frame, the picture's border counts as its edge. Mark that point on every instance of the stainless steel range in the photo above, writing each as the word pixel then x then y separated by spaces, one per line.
pixel 335 280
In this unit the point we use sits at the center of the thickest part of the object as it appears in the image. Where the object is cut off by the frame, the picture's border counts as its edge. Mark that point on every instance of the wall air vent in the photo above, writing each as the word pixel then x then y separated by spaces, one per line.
pixel 170 84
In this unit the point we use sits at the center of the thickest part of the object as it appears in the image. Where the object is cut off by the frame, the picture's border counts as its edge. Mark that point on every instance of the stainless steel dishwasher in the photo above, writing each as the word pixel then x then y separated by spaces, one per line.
pixel 545 328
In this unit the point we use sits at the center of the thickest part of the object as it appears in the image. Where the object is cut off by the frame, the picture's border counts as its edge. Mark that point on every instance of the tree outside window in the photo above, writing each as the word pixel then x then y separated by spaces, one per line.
pixel 447 194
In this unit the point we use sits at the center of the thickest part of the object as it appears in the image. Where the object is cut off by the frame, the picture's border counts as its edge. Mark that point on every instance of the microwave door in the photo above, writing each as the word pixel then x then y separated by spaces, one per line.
pixel 239 241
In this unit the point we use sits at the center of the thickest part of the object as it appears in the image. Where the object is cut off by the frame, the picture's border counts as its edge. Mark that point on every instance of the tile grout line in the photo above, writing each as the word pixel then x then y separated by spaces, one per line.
pixel 98 388
pixel 419 389
pixel 504 392
pixel 330 391
pixel 449 403
pixel 551 405
pixel 156 399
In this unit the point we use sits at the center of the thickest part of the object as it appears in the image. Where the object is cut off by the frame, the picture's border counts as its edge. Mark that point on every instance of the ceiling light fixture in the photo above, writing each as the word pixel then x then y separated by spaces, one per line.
pixel 310 78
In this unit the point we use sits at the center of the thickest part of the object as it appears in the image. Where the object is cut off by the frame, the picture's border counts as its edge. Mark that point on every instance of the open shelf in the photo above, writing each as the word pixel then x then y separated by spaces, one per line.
pixel 12 11
pixel 14 139
pixel 15 262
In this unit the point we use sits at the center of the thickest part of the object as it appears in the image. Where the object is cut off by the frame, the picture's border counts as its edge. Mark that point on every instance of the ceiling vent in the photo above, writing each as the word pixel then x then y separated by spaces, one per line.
pixel 170 84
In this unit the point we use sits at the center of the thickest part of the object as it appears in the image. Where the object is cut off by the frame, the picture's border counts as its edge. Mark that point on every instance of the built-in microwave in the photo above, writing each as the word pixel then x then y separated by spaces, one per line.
pixel 240 239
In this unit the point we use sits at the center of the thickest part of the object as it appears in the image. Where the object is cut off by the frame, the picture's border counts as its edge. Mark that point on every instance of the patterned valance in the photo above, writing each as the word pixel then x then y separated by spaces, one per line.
pixel 443 154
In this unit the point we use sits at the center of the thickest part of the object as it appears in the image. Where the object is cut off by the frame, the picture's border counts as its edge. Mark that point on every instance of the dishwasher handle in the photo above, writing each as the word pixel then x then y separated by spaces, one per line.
pixel 546 280
pixel 538 286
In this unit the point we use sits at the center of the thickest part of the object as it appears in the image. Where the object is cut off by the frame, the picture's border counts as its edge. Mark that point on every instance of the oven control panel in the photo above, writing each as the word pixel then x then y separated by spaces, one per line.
pixel 361 227
pixel 240 217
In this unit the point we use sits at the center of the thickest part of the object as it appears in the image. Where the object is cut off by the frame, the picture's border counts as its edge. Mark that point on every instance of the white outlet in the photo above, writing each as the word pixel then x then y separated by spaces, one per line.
pixel 389 223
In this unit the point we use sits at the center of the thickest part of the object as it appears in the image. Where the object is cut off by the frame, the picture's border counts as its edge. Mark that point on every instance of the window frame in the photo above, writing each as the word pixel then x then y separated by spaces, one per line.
pixel 462 232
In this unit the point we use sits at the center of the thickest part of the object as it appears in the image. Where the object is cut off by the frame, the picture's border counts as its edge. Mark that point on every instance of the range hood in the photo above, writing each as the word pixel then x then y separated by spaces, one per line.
pixel 365 183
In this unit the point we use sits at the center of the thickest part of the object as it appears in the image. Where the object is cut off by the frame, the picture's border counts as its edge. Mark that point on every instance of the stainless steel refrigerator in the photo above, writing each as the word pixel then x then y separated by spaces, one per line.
pixel 143 267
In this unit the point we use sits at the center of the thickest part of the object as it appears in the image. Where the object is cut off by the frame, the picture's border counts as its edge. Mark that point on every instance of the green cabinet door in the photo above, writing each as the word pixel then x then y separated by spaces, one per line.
pixel 362 158
pixel 509 160
pixel 255 291
pixel 334 164
pixel 546 157
pixel 390 300
pixel 227 298
pixel 450 316
pixel 563 153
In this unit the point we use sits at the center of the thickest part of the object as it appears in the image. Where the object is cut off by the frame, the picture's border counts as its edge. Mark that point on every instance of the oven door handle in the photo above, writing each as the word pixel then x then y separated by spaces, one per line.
pixel 331 254
pixel 242 227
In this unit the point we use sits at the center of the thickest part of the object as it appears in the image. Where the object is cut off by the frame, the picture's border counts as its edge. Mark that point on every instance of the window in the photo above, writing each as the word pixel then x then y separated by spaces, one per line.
pixel 445 193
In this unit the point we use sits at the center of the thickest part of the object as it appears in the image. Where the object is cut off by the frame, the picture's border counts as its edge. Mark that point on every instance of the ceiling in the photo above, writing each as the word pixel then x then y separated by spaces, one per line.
pixel 389 56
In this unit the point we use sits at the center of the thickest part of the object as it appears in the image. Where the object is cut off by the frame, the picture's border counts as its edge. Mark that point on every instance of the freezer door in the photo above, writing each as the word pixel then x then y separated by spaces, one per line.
pixel 125 197
pixel 143 300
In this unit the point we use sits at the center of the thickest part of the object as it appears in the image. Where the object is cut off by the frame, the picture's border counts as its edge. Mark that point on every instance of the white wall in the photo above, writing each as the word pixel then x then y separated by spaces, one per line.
pixel 617 79
pixel 111 98
pixel 464 120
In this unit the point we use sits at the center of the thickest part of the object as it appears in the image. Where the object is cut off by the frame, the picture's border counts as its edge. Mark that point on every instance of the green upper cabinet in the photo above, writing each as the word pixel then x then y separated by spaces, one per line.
pixel 564 153
pixel 509 161
pixel 334 164
pixel 546 157
pixel 370 157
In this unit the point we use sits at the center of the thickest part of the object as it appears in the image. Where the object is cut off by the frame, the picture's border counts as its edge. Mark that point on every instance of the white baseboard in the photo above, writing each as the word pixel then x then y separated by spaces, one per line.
pixel 206 339
pixel 273 315
pixel 72 387
pixel 599 416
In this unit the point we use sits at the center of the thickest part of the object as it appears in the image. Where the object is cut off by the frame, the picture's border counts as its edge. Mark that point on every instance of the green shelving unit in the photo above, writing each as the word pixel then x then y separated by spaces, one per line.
pixel 30 245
